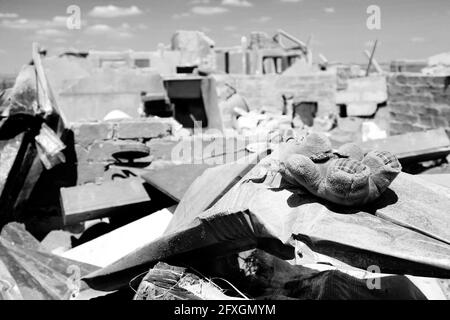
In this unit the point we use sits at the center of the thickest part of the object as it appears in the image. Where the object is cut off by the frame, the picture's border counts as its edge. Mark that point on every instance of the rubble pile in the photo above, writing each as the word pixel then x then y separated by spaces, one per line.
pixel 240 173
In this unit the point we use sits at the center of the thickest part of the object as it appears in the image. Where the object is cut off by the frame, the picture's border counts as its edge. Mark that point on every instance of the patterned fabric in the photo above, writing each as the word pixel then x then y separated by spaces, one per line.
pixel 388 158
pixel 349 166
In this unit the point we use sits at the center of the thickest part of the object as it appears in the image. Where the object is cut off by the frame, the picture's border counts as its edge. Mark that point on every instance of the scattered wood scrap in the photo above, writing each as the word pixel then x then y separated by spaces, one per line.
pixel 93 201
pixel 116 244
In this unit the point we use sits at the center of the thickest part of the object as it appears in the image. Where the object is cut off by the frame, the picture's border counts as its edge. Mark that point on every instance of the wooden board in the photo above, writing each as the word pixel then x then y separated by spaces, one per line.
pixel 93 201
pixel 413 146
pixel 418 205
pixel 442 179
pixel 208 189
pixel 116 244
pixel 174 180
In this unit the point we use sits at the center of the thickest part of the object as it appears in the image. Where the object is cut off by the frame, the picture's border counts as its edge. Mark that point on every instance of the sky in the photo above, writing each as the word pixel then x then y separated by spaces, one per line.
pixel 409 29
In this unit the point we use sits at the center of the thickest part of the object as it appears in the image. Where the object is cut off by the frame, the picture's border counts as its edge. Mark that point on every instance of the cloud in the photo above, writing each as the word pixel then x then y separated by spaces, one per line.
pixel 112 11
pixel 263 19
pixel 33 24
pixel 291 1
pixel 229 28
pixel 208 10
pixel 181 15
pixel 417 39
pixel 2 51
pixel 200 2
pixel 237 3
pixel 8 15
pixel 123 31
pixel 51 33
pixel 329 10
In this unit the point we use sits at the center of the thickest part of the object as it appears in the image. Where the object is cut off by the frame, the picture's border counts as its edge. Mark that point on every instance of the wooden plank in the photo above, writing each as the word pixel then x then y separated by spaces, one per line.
pixel 45 104
pixel 211 103
pixel 417 205
pixel 93 201
pixel 413 146
pixel 174 180
pixel 374 61
pixel 116 244
pixel 203 193
pixel 442 179
pixel 372 54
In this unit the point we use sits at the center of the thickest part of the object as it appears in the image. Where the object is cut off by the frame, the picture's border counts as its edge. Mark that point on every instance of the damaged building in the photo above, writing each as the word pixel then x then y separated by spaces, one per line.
pixel 252 163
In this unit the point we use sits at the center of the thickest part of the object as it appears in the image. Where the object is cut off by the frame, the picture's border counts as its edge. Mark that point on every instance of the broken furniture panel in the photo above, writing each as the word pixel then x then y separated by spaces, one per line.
pixel 442 179
pixel 116 244
pixel 93 201
pixel 413 146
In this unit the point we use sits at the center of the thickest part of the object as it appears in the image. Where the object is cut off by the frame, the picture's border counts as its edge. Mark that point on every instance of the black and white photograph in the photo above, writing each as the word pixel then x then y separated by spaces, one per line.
pixel 224 155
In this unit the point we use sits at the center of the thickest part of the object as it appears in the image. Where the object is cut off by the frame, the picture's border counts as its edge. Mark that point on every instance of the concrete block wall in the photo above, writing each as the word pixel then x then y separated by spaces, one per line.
pixel 94 142
pixel 418 102
pixel 265 91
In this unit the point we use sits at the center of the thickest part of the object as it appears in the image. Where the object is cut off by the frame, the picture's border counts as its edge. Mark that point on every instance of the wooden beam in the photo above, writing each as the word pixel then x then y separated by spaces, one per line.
pixel 116 244
pixel 374 62
pixel 93 201
pixel 371 58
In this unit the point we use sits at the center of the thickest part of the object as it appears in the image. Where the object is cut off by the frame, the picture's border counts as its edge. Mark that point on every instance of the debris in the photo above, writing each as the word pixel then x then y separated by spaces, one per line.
pixel 363 95
pixel 370 131
pixel 49 147
pixel 174 181
pixel 116 244
pixel 35 274
pixel 165 282
pixel 268 277
pixel 92 201
pixel 414 146
pixel 253 213
pixel 438 65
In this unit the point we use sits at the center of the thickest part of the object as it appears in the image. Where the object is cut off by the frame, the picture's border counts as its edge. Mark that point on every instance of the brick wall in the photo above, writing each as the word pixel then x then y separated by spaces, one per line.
pixel 94 142
pixel 418 102
pixel 265 91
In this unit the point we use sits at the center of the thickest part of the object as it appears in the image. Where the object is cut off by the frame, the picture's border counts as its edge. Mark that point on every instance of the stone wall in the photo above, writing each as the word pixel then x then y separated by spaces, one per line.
pixel 265 91
pixel 418 102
